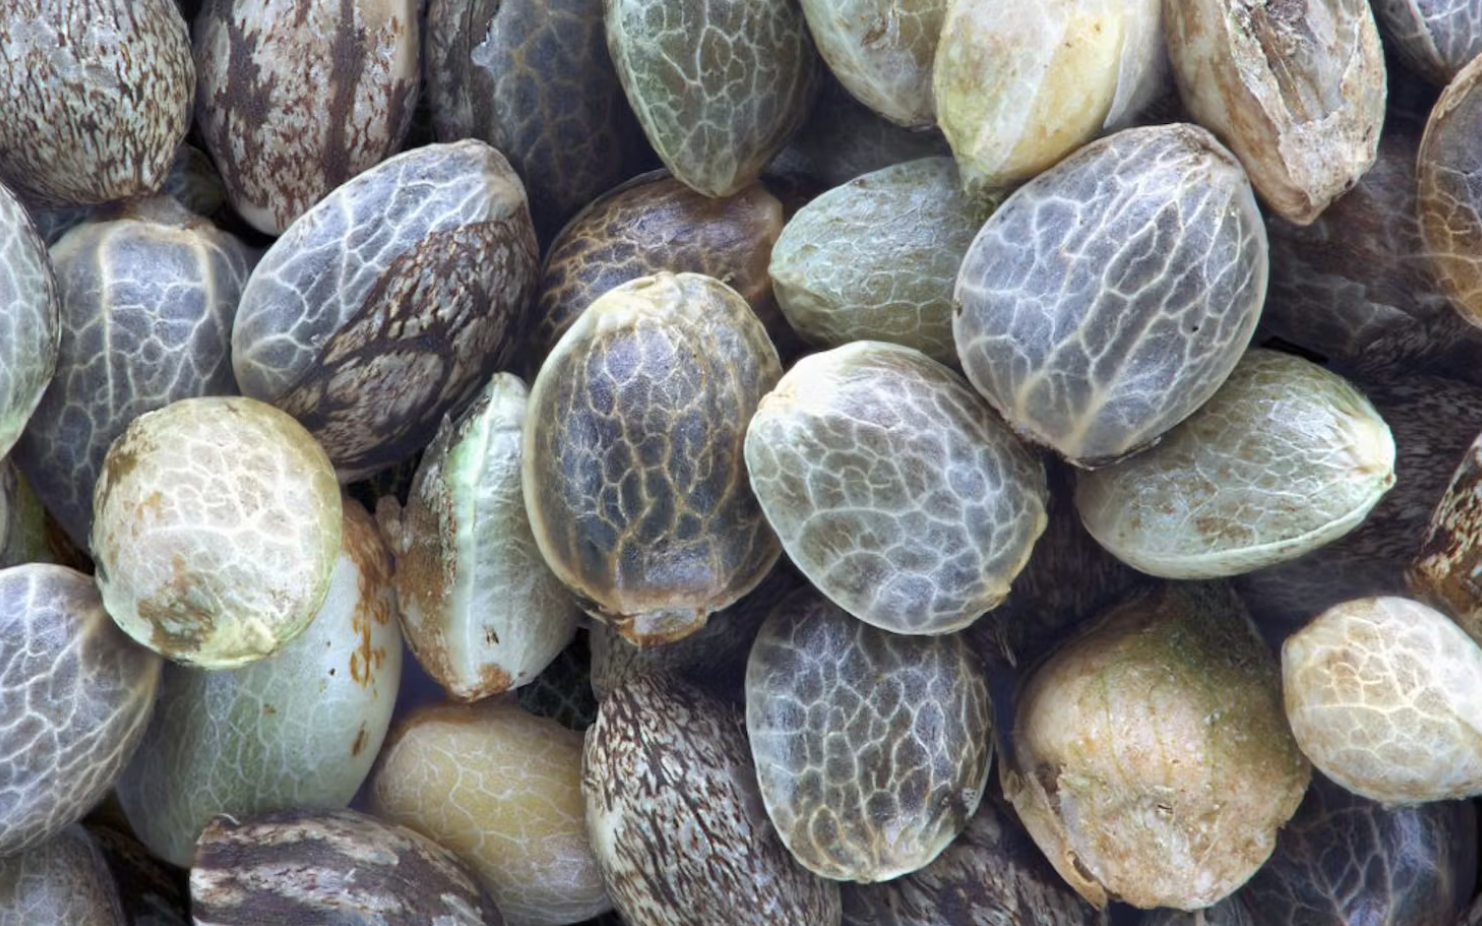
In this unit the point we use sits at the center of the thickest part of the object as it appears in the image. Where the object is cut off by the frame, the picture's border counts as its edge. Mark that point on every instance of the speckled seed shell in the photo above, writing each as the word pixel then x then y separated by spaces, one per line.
pixel 63 880
pixel 1435 37
pixel 1019 86
pixel 1150 758
pixel 1450 206
pixel 882 52
pixel 718 85
pixel 295 97
pixel 502 788
pixel 1344 859
pixel 78 695
pixel 655 223
pixel 990 875
pixel 216 523
pixel 893 487
pixel 1286 457
pixel 676 821
pixel 1445 570
pixel 390 303
pixel 30 325
pixel 1433 420
pixel 97 95
pixel 632 467
pixel 1296 90
pixel 330 866
pixel 877 259
pixel 1109 297
pixel 300 728
pixel 871 748
pixel 533 78
pixel 147 304
pixel 482 611
pixel 1383 695
pixel 1355 286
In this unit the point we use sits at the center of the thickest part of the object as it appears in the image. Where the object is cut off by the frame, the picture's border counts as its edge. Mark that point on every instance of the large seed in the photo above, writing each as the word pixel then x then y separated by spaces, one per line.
pixel 30 320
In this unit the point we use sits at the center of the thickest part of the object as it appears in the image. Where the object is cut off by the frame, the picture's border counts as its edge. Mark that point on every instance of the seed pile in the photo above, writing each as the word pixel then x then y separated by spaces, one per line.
pixel 683 462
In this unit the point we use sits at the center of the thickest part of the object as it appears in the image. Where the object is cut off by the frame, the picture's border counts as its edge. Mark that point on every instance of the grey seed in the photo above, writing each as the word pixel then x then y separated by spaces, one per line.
pixel 63 880
pixel 30 323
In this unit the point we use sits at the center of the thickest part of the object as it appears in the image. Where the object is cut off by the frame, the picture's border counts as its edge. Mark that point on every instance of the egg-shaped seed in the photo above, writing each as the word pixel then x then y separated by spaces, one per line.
pixel 295 97
pixel 1150 759
pixel 390 303
pixel 1111 295
pixel 632 464
pixel 330 866
pixel 1435 37
pixel 993 873
pixel 1450 208
pixel 1433 419
pixel 534 80
pixel 894 488
pixel 718 85
pixel 482 611
pixel 30 320
pixel 300 728
pixel 216 524
pixel 676 821
pixel 502 788
pixel 872 748
pixel 1355 286
pixel 1285 457
pixel 1382 695
pixel 62 880
pixel 147 299
pixel 882 52
pixel 1443 573
pixel 79 694
pixel 842 139
pixel 97 95
pixel 1343 859
pixel 877 259
pixel 654 223
pixel 1020 86
pixel 1296 90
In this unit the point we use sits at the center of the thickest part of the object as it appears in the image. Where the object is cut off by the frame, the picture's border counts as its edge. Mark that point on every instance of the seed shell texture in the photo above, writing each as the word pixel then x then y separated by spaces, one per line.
pixel 482 611
pixel 390 303
pixel 1444 573
pixel 894 488
pixel 719 86
pixel 63 880
pixel 872 748
pixel 877 259
pixel 882 52
pixel 1018 86
pixel 1435 37
pixel 1428 856
pixel 1285 458
pixel 295 97
pixel 1383 695
pixel 1110 296
pixel 1150 758
pixel 501 788
pixel 216 524
pixel 330 866
pixel 77 695
pixel 632 467
pixel 148 297
pixel 1295 89
pixel 300 728
pixel 533 78
pixel 97 95
pixel 30 319
pixel 991 875
pixel 676 820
